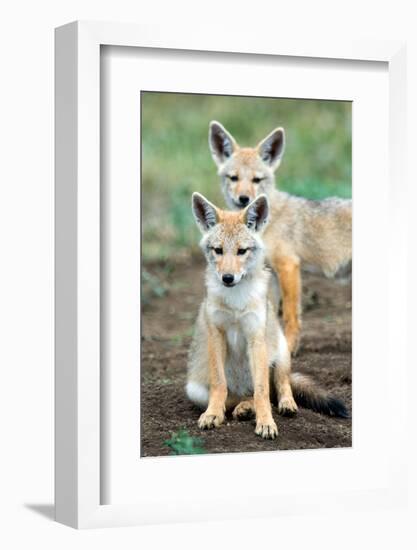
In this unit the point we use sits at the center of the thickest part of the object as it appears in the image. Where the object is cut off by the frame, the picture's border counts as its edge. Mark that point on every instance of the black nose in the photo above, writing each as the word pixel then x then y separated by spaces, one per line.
pixel 244 200
pixel 228 278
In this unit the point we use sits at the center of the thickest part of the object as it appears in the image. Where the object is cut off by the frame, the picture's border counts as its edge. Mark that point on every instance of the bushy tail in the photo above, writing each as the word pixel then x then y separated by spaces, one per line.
pixel 310 396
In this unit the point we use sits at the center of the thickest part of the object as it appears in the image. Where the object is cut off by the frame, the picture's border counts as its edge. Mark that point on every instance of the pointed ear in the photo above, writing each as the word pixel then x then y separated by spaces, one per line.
pixel 256 214
pixel 222 144
pixel 205 213
pixel 272 148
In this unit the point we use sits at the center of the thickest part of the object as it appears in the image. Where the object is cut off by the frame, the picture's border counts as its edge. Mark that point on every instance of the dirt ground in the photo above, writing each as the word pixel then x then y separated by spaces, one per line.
pixel 167 321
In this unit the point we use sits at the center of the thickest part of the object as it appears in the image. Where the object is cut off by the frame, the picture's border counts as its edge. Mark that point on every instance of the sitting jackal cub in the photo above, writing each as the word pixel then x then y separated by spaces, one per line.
pixel 237 335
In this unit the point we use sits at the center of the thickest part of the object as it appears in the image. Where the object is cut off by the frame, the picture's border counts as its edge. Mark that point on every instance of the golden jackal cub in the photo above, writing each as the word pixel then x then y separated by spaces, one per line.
pixel 237 336
pixel 318 233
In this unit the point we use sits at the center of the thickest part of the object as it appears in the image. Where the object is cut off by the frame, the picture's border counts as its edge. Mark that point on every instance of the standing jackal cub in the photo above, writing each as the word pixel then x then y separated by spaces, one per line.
pixel 238 345
pixel 318 233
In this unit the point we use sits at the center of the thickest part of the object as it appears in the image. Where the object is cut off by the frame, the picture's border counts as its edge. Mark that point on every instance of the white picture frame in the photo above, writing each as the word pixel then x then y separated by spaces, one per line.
pixel 78 449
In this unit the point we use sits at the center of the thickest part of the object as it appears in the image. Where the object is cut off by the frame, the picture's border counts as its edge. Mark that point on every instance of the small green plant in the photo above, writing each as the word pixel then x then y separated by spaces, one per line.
pixel 182 443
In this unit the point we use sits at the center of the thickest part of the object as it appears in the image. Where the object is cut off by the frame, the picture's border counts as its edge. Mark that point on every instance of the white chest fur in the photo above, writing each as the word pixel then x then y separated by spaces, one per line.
pixel 237 366
pixel 240 312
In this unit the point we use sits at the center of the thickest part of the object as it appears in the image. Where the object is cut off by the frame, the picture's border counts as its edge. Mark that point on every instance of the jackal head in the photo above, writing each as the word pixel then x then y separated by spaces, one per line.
pixel 246 172
pixel 231 241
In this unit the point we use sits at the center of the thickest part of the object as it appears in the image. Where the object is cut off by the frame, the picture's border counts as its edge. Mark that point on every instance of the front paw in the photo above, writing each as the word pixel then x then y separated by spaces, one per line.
pixel 287 406
pixel 266 429
pixel 207 420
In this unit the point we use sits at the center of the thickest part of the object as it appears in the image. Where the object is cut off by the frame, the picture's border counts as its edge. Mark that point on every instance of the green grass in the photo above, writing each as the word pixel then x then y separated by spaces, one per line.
pixel 181 443
pixel 176 159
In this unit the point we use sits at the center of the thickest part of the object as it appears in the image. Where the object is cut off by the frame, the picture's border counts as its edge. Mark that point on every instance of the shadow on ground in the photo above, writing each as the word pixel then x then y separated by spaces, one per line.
pixel 45 510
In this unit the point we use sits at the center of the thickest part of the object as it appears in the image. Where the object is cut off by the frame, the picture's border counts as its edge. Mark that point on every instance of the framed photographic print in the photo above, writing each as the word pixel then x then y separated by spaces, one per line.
pixel 174 267
pixel 228 213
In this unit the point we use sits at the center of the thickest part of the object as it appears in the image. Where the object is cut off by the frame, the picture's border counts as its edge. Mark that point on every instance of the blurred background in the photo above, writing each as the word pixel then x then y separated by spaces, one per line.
pixel 176 160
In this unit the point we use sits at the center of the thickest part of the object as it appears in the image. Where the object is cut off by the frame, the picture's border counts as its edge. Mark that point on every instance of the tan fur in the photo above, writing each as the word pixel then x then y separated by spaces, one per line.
pixel 216 344
pixel 288 270
pixel 317 233
pixel 237 335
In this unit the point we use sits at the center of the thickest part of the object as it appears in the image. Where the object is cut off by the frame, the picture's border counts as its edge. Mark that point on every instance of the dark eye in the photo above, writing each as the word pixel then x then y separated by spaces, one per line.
pixel 257 180
pixel 241 251
pixel 233 178
pixel 218 250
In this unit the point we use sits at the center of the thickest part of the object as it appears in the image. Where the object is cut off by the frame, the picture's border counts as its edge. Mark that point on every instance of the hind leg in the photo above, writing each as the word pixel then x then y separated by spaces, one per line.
pixel 244 410
pixel 198 393
pixel 282 372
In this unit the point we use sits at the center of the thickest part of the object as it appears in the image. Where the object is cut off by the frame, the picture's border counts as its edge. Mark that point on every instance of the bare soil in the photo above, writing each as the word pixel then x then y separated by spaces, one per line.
pixel 167 322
